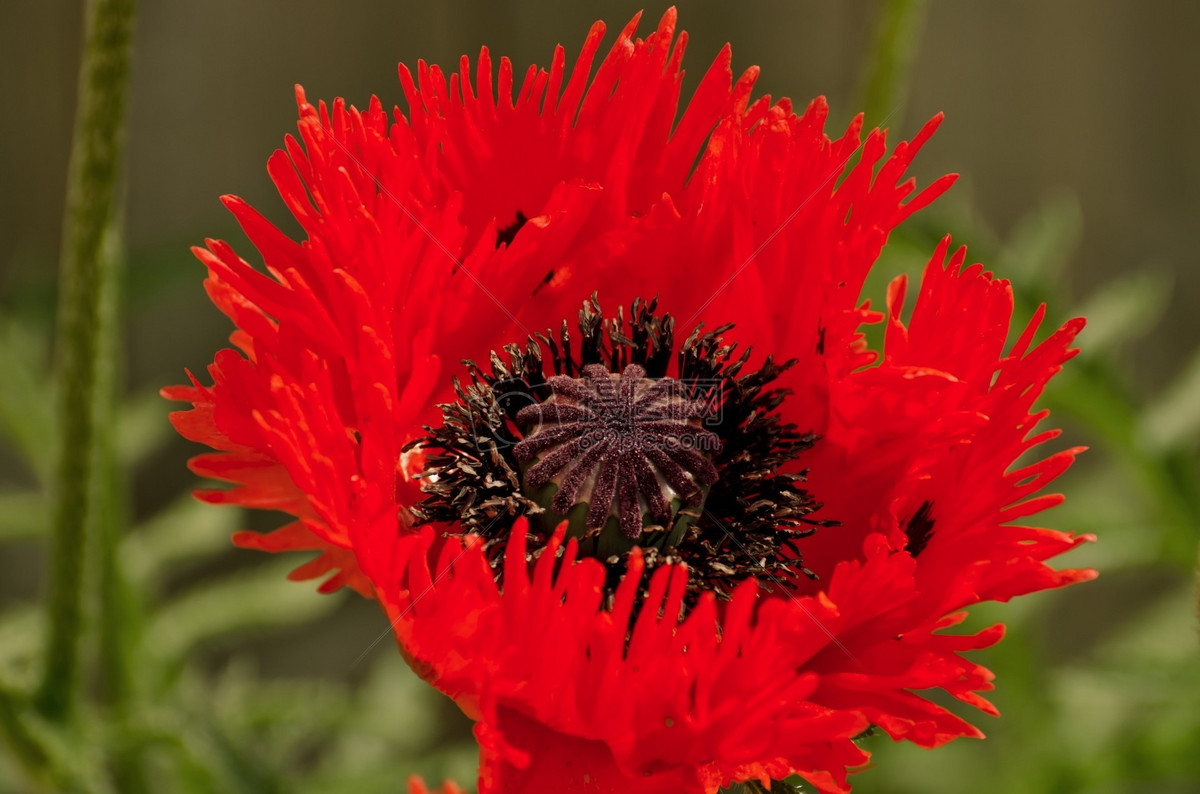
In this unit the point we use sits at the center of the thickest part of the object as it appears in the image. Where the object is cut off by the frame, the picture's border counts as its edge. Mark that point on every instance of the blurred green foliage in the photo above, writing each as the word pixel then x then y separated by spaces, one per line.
pixel 1106 705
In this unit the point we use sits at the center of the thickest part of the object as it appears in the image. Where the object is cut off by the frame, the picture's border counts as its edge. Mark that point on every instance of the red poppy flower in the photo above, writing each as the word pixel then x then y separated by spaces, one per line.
pixel 640 561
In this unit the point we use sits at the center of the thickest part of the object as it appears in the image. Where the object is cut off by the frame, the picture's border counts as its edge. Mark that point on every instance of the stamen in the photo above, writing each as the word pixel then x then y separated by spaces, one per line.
pixel 506 234
pixel 919 528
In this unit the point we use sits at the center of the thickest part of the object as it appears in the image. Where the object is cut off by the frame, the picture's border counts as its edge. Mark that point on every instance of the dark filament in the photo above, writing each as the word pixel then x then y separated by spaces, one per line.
pixel 508 233
pixel 920 528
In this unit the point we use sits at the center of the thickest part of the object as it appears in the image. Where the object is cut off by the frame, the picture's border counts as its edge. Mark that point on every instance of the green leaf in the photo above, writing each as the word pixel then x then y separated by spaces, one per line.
pixel 395 724
pixel 250 599
pixel 1174 418
pixel 143 427
pixel 186 530
pixel 26 397
pixel 22 632
pixel 1123 309
pixel 1042 244
pixel 1089 391
pixel 63 759
pixel 282 719
pixel 391 716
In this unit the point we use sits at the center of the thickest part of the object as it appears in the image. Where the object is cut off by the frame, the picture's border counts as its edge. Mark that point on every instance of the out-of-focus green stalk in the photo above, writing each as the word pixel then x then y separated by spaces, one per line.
pixel 888 66
pixel 92 185
pixel 120 614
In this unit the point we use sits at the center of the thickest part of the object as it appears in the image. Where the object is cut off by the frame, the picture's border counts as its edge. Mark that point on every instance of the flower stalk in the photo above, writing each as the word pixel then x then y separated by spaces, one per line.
pixel 889 61
pixel 92 187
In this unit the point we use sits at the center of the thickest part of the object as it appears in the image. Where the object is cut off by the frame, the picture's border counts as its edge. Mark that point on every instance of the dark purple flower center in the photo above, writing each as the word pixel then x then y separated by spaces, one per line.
pixel 629 447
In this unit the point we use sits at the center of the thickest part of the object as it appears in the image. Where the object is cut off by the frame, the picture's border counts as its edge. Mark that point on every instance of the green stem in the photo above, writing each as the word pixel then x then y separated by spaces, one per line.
pixel 120 614
pixel 91 197
pixel 889 65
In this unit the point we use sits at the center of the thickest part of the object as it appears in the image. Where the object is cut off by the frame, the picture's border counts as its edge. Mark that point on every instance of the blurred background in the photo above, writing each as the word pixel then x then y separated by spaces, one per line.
pixel 1073 124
